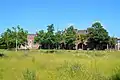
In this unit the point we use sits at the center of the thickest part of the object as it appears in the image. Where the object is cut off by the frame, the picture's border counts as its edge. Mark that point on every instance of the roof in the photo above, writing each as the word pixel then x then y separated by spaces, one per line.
pixel 82 31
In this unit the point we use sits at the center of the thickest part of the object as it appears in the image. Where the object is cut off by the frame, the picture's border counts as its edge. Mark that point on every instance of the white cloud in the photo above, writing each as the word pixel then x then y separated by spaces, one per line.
pixel 70 24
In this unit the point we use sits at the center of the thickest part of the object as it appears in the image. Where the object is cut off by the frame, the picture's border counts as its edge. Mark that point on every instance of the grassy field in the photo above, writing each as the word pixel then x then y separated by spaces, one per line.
pixel 60 65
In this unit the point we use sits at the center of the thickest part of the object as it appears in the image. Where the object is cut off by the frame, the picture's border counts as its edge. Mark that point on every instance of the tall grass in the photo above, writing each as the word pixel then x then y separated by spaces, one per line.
pixel 60 65
pixel 77 71
pixel 29 75
pixel 1 73
pixel 116 74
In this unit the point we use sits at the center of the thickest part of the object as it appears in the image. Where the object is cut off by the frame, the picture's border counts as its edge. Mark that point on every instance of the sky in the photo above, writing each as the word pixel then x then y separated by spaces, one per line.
pixel 35 15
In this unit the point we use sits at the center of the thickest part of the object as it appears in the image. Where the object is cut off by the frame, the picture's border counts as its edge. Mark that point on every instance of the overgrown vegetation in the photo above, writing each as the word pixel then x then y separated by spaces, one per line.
pixel 77 71
pixel 29 75
pixel 62 65
pixel 116 74
pixel 95 37
pixel 9 37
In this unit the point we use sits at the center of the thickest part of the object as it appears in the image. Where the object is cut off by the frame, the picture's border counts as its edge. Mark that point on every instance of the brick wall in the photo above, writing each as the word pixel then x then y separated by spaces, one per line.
pixel 31 44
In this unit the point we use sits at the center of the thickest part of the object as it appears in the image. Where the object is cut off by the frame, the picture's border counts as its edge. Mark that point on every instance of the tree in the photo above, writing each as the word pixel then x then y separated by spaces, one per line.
pixel 22 36
pixel 40 38
pixel 70 37
pixel 49 37
pixel 97 36
pixel 112 42
pixel 10 36
pixel 50 29
pixel 58 39
pixel 46 39
pixel 2 44
pixel 81 38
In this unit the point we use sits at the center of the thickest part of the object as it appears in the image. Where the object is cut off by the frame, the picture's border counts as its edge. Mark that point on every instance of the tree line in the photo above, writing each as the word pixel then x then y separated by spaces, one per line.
pixel 12 37
pixel 96 38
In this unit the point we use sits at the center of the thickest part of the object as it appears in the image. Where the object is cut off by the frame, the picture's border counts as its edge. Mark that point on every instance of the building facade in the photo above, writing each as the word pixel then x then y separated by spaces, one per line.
pixel 78 44
pixel 118 44
pixel 30 42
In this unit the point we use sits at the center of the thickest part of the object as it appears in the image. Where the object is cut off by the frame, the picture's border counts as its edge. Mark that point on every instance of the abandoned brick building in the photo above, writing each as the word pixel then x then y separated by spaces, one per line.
pixel 30 40
pixel 32 45
pixel 78 44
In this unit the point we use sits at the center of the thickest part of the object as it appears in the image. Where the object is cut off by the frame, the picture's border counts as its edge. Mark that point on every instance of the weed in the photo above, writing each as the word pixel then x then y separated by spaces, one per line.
pixel 33 59
pixel 29 75
pixel 116 74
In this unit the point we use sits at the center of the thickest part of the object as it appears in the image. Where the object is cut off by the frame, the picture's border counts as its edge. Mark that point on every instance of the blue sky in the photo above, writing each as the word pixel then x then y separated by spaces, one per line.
pixel 34 15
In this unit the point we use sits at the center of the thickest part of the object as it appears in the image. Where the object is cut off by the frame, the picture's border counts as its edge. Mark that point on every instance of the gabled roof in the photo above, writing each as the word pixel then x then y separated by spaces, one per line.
pixel 82 32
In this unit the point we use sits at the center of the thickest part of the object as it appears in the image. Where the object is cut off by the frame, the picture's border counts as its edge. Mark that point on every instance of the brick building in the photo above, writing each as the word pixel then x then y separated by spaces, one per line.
pixel 78 44
pixel 32 45
pixel 30 42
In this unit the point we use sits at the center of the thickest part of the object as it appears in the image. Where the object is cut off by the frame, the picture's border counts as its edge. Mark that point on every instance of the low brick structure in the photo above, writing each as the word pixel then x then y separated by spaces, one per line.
pixel 30 42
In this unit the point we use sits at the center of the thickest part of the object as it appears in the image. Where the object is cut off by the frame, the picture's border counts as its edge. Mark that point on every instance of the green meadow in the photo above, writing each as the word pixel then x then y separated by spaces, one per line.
pixel 60 65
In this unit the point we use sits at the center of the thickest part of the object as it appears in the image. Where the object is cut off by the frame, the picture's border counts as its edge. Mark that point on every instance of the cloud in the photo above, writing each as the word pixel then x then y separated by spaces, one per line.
pixel 70 24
